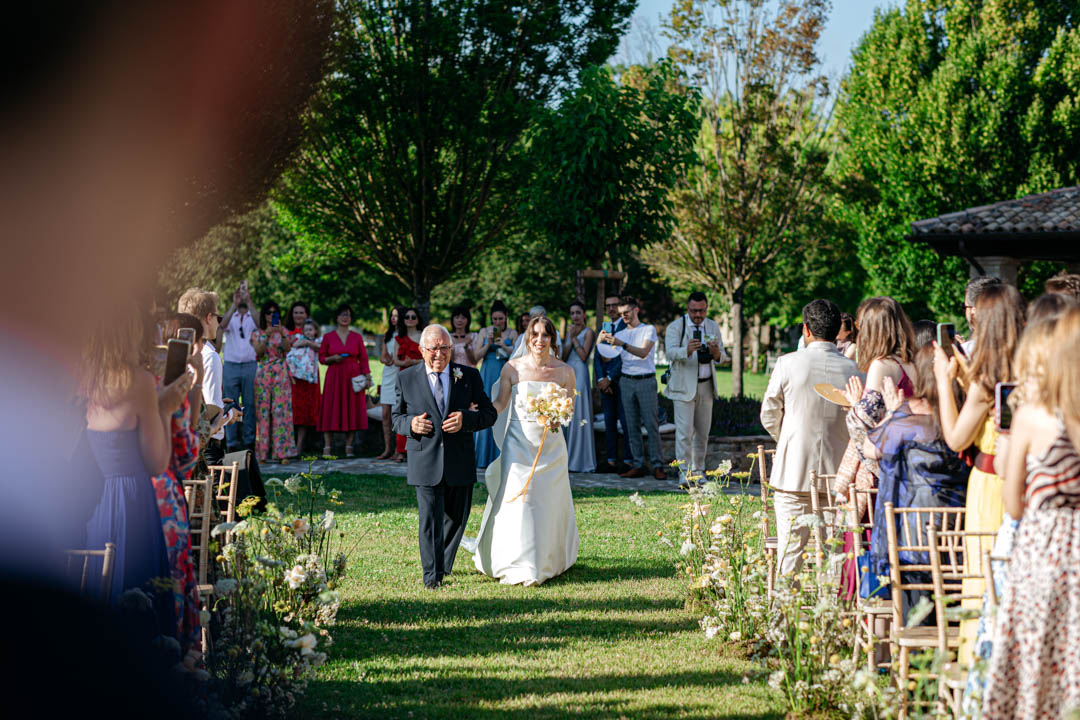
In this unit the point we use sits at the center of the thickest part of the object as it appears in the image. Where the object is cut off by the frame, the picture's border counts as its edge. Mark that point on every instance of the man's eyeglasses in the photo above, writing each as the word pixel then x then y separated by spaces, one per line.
pixel 611 305
pixel 439 348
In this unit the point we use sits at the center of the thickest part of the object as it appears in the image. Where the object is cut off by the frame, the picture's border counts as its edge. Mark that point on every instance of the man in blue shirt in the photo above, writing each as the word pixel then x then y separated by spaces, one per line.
pixel 607 372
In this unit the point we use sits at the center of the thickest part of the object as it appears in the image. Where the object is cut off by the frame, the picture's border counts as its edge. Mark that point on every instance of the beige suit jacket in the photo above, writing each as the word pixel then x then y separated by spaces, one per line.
pixel 683 384
pixel 809 430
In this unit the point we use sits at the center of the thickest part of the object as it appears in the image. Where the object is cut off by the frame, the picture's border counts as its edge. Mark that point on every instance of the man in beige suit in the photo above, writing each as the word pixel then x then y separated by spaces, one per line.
pixel 809 430
pixel 693 347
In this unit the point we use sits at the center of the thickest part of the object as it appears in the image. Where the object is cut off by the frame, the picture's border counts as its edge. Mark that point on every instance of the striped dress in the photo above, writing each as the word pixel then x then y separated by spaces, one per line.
pixel 1035 666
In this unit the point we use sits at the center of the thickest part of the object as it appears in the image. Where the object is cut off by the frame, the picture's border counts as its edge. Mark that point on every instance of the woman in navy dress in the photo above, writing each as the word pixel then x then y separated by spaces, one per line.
pixel 129 433
pixel 494 343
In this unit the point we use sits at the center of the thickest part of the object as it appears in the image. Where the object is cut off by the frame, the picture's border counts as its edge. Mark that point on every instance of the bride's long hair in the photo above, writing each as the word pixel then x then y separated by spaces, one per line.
pixel 549 327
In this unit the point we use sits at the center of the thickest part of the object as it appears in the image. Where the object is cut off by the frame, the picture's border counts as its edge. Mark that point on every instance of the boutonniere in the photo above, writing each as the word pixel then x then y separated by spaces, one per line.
pixel 457 374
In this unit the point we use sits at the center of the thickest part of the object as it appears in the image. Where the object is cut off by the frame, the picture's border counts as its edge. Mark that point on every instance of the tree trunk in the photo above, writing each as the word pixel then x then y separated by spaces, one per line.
pixel 736 343
pixel 755 343
pixel 422 303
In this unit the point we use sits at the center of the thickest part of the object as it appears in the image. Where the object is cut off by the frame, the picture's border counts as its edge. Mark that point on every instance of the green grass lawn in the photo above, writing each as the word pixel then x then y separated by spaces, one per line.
pixel 608 639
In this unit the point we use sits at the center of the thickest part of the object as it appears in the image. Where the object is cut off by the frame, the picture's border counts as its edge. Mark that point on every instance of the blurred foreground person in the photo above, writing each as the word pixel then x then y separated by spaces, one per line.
pixel 127 130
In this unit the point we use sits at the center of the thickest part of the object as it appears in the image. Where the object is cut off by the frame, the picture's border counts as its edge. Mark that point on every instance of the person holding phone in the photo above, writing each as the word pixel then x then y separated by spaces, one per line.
pixel 169 491
pixel 637 349
pixel 1030 671
pixel 693 348
pixel 580 444
pixel 494 344
pixel 1000 323
pixel 273 388
pixel 343 410
pixel 239 367
pixel 128 429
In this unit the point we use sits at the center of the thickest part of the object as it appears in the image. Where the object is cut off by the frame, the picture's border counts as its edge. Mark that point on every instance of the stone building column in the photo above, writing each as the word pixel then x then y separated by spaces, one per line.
pixel 999 266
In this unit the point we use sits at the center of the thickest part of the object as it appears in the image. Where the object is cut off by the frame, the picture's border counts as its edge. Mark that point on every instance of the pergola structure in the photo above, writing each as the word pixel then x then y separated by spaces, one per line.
pixel 995 239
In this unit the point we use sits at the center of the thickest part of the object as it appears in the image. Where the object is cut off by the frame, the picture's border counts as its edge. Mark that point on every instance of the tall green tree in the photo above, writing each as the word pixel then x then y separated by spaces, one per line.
pixel 952 104
pixel 759 185
pixel 606 159
pixel 413 152
pixel 280 265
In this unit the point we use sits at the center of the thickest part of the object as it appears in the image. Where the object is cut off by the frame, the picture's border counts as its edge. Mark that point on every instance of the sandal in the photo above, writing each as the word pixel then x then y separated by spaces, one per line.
pixel 399 458
pixel 348 451
pixel 326 451
pixel 384 455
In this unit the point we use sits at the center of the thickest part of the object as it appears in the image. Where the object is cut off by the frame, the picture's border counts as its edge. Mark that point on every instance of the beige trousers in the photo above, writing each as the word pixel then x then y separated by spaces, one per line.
pixel 693 420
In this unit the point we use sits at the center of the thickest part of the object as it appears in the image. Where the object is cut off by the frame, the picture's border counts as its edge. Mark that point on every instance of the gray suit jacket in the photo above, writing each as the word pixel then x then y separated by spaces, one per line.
pixel 809 430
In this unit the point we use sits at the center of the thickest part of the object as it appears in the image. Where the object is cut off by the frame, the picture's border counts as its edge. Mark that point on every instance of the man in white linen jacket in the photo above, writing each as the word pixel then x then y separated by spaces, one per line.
pixel 692 343
pixel 809 430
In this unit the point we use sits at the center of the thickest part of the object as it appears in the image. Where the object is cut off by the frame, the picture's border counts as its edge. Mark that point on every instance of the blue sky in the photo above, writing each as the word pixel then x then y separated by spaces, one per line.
pixel 848 20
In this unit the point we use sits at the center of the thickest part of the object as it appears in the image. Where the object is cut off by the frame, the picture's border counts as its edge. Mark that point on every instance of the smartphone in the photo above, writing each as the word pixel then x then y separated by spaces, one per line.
pixel 697 335
pixel 606 327
pixel 275 319
pixel 1002 409
pixel 176 358
pixel 157 360
pixel 945 334
pixel 186 334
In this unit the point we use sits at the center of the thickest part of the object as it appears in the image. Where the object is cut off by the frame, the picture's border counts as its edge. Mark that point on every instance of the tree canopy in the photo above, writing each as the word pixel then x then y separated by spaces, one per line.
pixel 413 151
pixel 606 159
pixel 952 104
pixel 759 185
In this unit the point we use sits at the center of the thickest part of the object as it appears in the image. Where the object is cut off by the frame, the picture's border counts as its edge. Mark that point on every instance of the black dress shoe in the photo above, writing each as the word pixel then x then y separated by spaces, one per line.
pixel 433 585
pixel 621 467
pixel 605 468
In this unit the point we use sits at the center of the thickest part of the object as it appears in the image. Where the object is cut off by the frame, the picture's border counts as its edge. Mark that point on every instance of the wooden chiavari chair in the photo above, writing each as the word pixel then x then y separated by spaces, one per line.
pixel 873 615
pixel 768 534
pixel 948 570
pixel 912 539
pixel 108 566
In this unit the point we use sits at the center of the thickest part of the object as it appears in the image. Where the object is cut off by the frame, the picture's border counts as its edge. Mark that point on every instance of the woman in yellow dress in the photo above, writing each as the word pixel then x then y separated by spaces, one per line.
pixel 999 321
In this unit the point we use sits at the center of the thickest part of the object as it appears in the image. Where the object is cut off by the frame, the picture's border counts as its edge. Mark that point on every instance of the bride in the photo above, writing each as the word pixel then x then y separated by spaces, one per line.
pixel 534 537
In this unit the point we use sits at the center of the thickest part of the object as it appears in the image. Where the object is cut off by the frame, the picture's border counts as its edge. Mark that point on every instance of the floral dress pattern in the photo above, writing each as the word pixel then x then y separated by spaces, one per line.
pixel 172 507
pixel 273 401
pixel 1035 664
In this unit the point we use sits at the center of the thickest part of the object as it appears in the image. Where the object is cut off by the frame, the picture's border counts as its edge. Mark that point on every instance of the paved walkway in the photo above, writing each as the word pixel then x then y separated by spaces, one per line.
pixel 371 466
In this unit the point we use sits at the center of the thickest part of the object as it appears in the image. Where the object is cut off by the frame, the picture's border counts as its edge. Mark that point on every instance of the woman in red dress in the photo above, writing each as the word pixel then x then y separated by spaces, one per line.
pixel 305 394
pixel 345 356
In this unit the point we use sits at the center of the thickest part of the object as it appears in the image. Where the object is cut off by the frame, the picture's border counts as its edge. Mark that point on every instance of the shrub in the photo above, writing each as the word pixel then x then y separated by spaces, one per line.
pixel 736 416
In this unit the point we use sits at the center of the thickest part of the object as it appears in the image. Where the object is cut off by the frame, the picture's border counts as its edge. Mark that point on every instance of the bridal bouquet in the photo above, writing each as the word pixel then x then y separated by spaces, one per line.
pixel 553 408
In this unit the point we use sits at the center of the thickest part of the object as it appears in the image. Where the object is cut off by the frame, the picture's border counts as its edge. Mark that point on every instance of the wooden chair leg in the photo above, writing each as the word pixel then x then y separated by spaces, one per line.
pixel 903 678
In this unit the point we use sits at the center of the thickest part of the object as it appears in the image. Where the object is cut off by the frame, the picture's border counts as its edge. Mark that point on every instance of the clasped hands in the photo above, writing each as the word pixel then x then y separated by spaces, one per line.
pixel 892 396
pixel 421 425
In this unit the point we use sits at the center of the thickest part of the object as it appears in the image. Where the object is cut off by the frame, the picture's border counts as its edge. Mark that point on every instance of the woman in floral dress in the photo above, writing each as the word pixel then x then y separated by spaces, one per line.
pixel 1035 663
pixel 273 388
pixel 172 507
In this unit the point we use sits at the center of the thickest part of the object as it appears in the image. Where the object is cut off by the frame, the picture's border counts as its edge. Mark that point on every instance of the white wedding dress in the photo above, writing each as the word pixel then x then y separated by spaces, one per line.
pixel 535 537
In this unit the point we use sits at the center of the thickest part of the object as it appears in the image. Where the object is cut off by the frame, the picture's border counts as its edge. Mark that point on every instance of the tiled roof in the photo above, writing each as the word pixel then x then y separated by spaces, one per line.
pixel 1056 211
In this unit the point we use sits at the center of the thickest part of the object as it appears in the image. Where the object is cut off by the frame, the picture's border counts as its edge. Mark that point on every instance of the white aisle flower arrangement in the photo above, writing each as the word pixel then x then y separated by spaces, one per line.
pixel 276 596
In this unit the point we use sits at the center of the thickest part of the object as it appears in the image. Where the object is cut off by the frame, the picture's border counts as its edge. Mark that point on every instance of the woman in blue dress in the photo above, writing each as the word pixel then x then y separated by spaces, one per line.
pixel 580 443
pixel 130 435
pixel 494 343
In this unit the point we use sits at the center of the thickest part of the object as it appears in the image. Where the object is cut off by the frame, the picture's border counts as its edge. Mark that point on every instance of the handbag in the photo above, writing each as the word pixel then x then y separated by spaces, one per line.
pixel 359 382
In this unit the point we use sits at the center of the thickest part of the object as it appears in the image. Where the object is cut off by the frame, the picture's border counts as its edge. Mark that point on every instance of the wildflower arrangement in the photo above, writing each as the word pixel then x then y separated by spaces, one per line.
pixel 809 639
pixel 552 407
pixel 277 595
pixel 722 556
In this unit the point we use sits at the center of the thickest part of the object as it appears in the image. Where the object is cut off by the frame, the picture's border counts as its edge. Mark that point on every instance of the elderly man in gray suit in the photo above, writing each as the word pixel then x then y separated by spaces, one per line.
pixel 809 430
